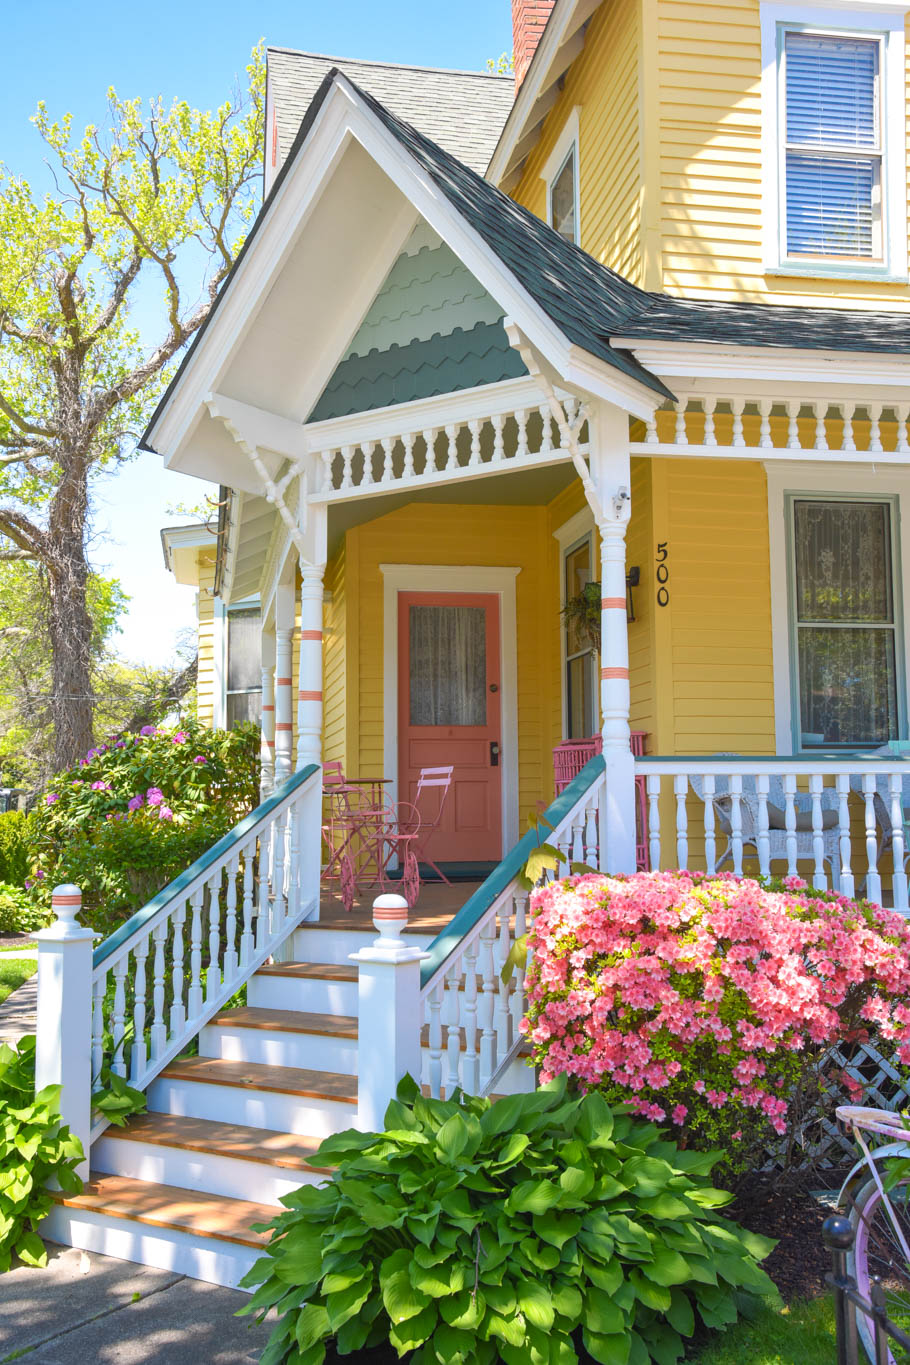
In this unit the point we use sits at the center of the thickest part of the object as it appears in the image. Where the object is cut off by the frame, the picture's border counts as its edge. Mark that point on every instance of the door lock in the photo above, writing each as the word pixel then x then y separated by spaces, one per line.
pixel 494 754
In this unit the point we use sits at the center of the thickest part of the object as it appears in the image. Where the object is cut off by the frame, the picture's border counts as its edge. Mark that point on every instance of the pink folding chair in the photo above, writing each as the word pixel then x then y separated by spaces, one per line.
pixel 430 779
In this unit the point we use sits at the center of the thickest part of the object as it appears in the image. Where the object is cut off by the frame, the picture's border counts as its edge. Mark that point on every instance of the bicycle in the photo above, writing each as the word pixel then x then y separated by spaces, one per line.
pixel 876 1198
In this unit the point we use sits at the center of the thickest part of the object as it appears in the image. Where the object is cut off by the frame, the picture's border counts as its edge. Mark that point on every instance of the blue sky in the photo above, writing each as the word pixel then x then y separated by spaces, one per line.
pixel 68 54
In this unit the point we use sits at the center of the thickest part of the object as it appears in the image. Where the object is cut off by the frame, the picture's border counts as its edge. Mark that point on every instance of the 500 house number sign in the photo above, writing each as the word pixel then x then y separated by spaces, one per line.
pixel 662 574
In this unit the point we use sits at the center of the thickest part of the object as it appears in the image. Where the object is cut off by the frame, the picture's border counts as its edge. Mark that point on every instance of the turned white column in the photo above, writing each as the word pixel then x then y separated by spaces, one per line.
pixel 284 655
pixel 267 742
pixel 309 693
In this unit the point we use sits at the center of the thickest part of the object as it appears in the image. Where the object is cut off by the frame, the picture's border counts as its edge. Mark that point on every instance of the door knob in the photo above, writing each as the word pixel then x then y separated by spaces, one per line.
pixel 494 754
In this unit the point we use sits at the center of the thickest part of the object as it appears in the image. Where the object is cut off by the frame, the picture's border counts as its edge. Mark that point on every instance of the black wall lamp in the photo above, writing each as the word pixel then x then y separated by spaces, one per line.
pixel 633 578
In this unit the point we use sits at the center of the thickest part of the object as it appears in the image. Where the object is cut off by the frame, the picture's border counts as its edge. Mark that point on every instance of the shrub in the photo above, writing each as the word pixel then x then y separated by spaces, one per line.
pixel 708 1000
pixel 473 1232
pixel 136 812
pixel 15 846
pixel 19 911
pixel 35 1148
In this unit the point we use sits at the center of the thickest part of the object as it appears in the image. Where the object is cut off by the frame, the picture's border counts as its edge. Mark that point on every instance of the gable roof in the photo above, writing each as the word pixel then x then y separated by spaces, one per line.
pixel 463 111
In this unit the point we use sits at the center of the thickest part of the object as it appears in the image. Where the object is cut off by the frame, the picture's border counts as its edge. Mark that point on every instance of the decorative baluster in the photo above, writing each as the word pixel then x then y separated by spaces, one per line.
pixel 99 987
pixel 371 449
pixel 487 1002
pixel 578 839
pixel 347 466
pixel 592 847
pixel 762 787
pixel 681 788
pixel 451 447
pixel 502 1019
pixel 653 784
pixel 849 440
pixel 429 453
pixel 159 1027
pixel 521 448
pixel 213 971
pixel 651 436
pixel 469 1014
pixel 139 1054
pixel 327 456
pixel 178 1012
pixel 737 405
pixel 194 997
pixel 517 1001
pixel 247 941
pixel 710 405
pixel 498 446
pixel 902 412
pixel 265 875
pixel 118 1016
pixel 388 472
pixel 873 876
pixel 546 429
pixel 710 841
pixel 790 822
pixel 736 822
pixel 474 429
pixel 819 408
pixel 875 430
pixel 764 429
pixel 292 872
pixel 681 438
pixel 845 874
pixel 453 1030
pixel 816 785
pixel 793 407
pixel 434 1008
pixel 899 875
pixel 278 857
pixel 407 471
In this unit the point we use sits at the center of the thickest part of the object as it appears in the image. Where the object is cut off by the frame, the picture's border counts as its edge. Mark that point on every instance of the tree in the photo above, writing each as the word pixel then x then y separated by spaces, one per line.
pixel 160 197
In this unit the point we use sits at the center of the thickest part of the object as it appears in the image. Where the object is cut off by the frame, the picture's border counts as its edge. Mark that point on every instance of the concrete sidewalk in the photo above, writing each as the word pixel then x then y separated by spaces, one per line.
pixel 88 1308
pixel 17 1012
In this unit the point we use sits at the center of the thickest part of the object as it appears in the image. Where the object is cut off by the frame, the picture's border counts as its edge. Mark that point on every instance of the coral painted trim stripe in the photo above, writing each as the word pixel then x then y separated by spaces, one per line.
pixel 309 696
pixel 608 603
pixel 67 900
pixel 284 725
pixel 607 673
pixel 311 635
pixel 282 682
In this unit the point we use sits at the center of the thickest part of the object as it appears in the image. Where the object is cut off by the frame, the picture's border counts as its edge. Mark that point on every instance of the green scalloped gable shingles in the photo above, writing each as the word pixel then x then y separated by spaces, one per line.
pixel 401 374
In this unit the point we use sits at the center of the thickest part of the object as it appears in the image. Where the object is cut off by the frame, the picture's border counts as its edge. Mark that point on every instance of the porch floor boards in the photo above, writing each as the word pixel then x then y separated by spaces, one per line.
pixel 436 906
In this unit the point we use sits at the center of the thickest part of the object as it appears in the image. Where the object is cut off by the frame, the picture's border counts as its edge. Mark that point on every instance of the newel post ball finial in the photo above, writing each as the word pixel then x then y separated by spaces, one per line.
pixel 390 915
pixel 66 902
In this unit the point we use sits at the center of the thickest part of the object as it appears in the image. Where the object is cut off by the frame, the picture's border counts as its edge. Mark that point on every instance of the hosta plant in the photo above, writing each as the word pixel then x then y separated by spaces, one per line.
pixel 35 1149
pixel 515 1231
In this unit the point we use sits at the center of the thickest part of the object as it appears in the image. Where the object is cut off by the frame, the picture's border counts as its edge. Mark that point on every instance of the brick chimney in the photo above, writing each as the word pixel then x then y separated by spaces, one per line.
pixel 529 19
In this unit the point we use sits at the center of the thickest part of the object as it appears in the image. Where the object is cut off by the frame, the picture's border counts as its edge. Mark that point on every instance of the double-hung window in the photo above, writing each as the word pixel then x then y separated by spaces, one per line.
pixel 833 154
pixel 844 621
pixel 243 693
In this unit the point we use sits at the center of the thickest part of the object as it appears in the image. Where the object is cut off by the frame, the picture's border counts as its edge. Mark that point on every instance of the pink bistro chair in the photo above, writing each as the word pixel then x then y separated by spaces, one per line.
pixel 438 780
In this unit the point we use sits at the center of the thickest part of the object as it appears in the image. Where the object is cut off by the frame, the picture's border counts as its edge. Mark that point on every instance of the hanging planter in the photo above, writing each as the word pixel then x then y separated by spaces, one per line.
pixel 582 614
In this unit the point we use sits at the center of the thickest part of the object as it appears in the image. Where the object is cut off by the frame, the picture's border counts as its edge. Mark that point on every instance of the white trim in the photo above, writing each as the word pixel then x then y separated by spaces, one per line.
pixel 787 368
pixel 803 477
pixel 884 20
pixel 455 578
pixel 567 144
pixel 571 531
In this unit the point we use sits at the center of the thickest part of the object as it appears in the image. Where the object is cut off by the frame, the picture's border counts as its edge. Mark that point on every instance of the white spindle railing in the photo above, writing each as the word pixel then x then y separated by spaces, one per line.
pixel 472 1016
pixel 837 822
pixel 835 427
pixel 169 969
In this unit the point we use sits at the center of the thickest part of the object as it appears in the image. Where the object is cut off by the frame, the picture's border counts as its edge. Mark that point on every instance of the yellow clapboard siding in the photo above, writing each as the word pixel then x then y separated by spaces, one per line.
pixel 205 638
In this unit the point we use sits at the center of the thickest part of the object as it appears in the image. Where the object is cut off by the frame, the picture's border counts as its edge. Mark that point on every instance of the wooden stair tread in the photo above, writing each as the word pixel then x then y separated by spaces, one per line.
pixel 310 971
pixel 287 1080
pixel 168 1206
pixel 221 1139
pixel 288 1021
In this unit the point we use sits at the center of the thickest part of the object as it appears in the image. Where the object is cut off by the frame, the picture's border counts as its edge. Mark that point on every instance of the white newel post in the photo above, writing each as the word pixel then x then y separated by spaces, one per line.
pixel 610 473
pixel 63 1054
pixel 267 742
pixel 284 715
pixel 309 728
pixel 388 1013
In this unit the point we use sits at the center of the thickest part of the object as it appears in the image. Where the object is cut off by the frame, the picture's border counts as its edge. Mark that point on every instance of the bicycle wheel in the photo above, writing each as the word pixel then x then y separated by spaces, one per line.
pixel 877 1251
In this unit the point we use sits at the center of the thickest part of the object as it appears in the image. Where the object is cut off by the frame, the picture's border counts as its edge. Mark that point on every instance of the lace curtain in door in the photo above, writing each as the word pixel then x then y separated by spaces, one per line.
pixel 448 652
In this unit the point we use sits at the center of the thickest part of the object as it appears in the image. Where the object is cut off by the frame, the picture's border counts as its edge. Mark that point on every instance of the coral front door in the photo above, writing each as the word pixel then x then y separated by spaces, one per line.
pixel 449 706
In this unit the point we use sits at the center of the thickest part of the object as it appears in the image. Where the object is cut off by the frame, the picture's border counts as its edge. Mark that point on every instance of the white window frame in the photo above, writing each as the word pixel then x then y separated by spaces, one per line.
pixel 566 145
pixel 219 654
pixel 879 20
pixel 788 481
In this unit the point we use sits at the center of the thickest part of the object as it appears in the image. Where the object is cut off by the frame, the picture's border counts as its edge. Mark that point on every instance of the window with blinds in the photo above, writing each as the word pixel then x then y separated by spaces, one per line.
pixel 833 146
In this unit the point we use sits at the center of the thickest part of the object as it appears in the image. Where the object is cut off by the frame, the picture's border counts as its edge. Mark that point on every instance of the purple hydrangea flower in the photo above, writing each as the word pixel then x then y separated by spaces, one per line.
pixel 154 796
pixel 51 798
pixel 136 803
pixel 200 758
pixel 180 737
pixel 149 730
pixel 165 813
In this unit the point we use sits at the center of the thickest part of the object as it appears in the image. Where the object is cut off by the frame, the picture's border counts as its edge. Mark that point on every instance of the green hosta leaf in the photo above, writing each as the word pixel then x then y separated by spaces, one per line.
pixel 647 1176
pixel 533 1196
pixel 344 1303
pixel 438 1280
pixel 577 1181
pixel 501 1298
pixel 595 1123
pixel 312 1325
pixel 301 1259
pixel 414 1331
pixel 668 1267
pixel 511 1151
pixel 510 1330
pixel 680 1314
pixel 665 1206
pixel 651 1295
pixel 609 1350
pixel 31 1250
pixel 557 1228
pixel 536 1304
pixel 402 1300
pixel 451 1346
pixel 602 1314
pixel 464 1310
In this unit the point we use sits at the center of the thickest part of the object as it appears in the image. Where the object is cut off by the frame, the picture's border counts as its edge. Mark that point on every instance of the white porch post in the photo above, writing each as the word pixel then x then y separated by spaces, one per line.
pixel 63 1051
pixel 267 743
pixel 284 650
pixel 610 474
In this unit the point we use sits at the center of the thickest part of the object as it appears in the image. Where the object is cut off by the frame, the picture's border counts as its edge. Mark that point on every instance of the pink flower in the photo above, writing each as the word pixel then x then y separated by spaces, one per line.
pixel 40 875
pixel 135 803
pixel 180 737
pixel 149 730
pixel 51 798
pixel 679 1114
pixel 200 758
pixel 165 813
pixel 154 796
pixel 101 786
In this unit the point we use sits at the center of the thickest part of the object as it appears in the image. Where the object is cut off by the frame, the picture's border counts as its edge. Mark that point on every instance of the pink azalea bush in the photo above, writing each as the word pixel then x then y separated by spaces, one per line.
pixel 705 1001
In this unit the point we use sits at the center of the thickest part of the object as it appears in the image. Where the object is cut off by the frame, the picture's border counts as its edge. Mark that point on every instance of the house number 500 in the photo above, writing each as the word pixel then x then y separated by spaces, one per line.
pixel 663 574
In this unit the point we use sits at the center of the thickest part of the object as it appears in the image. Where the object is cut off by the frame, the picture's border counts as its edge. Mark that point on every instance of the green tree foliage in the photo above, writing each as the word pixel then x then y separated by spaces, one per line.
pixel 159 200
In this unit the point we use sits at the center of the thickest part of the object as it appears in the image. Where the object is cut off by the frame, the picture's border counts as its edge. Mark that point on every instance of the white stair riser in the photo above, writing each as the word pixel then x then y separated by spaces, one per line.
pixel 255 1108
pixel 315 995
pixel 312 1051
pixel 328 945
pixel 202 1258
pixel 203 1171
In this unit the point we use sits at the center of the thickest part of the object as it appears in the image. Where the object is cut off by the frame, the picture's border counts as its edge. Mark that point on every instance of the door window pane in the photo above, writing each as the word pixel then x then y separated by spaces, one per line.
pixel 845 626
pixel 448 660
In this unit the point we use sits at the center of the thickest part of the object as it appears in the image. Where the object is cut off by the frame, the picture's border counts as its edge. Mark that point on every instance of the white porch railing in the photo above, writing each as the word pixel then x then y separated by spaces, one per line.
pixel 169 969
pixel 838 822
pixel 471 1014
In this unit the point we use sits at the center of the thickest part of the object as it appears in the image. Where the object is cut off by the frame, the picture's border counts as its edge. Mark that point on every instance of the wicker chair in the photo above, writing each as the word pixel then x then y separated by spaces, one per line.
pixel 777 832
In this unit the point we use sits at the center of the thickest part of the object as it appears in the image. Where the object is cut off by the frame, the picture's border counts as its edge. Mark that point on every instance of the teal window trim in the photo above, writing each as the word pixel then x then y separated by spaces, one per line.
pixel 791 497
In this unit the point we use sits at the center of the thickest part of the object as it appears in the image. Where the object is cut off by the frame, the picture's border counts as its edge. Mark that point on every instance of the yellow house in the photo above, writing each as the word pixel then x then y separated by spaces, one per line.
pixel 541 424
